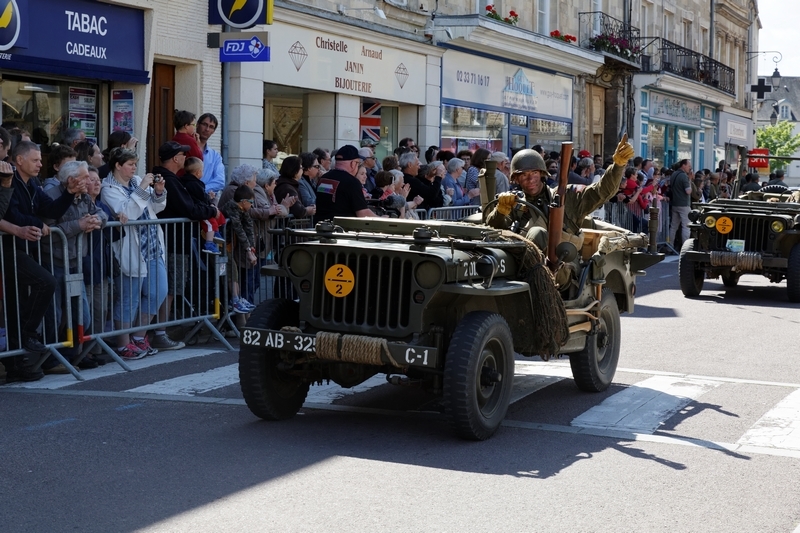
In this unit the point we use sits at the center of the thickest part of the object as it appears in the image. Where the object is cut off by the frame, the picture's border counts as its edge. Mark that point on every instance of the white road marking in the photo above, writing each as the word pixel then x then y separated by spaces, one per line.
pixel 329 393
pixel 58 381
pixel 643 407
pixel 530 377
pixel 192 384
pixel 779 427
pixel 667 276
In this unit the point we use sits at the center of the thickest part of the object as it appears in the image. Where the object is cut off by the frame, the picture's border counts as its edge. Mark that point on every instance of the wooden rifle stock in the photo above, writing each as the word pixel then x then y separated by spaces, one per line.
pixel 555 225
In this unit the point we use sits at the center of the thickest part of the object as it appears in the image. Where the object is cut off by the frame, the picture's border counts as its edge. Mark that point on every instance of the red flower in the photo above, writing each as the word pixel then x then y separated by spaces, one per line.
pixel 513 13
pixel 555 33
pixel 506 19
pixel 490 8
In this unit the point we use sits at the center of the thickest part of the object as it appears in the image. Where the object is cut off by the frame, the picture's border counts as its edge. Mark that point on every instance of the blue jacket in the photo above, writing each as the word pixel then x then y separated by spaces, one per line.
pixel 101 264
pixel 459 198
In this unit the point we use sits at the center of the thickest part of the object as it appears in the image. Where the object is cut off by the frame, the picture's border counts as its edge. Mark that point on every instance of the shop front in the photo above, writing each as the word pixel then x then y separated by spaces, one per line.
pixel 675 128
pixel 734 131
pixel 327 85
pixel 503 107
pixel 58 60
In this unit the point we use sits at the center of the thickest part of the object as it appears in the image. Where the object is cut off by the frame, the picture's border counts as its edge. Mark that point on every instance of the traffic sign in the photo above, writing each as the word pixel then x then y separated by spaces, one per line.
pixel 754 161
pixel 244 47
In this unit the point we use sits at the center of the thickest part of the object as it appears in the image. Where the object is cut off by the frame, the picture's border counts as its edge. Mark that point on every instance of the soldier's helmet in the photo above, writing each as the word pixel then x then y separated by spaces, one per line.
pixel 528 160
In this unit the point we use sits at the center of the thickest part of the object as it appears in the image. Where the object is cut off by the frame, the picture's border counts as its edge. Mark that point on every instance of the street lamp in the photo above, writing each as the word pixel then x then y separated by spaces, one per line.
pixel 773 118
pixel 775 80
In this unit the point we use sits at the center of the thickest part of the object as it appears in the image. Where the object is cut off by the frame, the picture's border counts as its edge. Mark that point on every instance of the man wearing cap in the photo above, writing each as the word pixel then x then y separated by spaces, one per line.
pixel 779 175
pixel 368 156
pixel 180 204
pixel 339 193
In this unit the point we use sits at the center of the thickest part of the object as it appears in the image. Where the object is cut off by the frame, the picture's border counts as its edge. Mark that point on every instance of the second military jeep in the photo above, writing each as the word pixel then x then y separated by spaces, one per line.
pixel 439 303
pixel 733 237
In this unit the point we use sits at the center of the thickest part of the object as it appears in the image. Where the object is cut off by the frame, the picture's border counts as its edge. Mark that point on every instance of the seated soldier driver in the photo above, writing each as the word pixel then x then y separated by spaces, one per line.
pixel 529 171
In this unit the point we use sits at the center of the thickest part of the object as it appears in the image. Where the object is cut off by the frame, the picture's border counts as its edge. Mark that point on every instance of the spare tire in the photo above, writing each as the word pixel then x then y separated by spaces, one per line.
pixel 775 188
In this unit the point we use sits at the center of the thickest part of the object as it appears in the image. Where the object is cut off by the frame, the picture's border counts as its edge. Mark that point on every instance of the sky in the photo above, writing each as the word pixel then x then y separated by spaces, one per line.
pixel 779 32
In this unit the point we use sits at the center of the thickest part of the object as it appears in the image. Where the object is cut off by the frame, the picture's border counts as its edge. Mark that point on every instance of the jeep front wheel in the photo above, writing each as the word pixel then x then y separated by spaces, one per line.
pixel 690 277
pixel 793 274
pixel 479 375
pixel 269 392
pixel 593 368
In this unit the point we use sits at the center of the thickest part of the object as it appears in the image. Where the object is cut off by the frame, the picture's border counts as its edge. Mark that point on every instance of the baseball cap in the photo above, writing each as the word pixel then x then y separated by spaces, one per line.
pixel 584 153
pixel 170 149
pixel 364 153
pixel 348 152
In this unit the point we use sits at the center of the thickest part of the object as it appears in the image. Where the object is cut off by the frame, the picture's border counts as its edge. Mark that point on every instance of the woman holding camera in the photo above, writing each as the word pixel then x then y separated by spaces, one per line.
pixel 142 285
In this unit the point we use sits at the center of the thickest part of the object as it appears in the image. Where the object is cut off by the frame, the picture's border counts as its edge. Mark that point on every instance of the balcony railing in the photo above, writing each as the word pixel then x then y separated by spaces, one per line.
pixel 661 55
pixel 603 33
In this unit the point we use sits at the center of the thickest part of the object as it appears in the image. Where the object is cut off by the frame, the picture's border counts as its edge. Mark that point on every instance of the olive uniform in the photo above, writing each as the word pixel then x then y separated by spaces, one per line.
pixel 579 202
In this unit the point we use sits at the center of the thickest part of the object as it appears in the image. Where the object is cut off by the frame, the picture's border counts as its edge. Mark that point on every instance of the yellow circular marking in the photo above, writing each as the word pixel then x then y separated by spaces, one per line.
pixel 339 280
pixel 724 225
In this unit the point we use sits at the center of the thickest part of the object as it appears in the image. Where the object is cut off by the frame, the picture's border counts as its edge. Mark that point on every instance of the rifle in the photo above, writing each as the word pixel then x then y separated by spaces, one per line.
pixel 555 226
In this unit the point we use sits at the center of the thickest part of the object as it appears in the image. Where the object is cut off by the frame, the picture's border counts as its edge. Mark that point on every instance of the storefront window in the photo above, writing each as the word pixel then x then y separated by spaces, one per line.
pixel 549 134
pixel 465 128
pixel 657 144
pixel 46 108
pixel 686 146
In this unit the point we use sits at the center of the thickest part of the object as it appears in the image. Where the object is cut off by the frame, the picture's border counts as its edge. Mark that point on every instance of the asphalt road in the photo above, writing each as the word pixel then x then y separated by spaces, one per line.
pixel 700 432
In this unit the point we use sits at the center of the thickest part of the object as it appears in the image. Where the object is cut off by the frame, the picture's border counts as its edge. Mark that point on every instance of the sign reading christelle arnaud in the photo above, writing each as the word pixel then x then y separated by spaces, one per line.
pixel 329 62
pixel 673 109
pixel 477 79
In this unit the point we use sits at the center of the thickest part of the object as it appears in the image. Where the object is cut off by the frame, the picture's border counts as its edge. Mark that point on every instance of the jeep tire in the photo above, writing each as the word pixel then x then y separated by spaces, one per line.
pixel 793 275
pixel 690 277
pixel 269 392
pixel 479 375
pixel 593 368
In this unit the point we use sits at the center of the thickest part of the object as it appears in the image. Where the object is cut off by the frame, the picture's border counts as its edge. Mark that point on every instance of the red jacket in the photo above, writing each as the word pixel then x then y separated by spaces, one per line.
pixel 188 140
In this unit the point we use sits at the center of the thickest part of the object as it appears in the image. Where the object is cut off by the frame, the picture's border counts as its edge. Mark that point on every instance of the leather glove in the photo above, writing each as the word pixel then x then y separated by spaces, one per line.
pixel 624 152
pixel 506 202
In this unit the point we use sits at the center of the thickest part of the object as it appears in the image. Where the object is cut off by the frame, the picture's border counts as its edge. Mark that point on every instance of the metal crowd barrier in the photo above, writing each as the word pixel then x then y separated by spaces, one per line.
pixel 634 218
pixel 105 272
pixel 53 337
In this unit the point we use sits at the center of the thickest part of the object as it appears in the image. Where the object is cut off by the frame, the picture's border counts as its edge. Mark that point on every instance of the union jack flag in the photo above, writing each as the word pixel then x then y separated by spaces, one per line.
pixel 370 121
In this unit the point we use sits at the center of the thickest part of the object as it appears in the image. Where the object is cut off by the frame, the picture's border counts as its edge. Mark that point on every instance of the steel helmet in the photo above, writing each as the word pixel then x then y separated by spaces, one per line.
pixel 528 160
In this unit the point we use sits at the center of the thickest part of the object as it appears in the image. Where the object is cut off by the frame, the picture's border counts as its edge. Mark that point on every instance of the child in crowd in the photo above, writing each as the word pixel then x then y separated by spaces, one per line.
pixel 193 168
pixel 59 154
pixel 244 242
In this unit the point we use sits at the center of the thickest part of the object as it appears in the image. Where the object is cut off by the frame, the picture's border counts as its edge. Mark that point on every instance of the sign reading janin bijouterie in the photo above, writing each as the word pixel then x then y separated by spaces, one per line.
pixel 304 57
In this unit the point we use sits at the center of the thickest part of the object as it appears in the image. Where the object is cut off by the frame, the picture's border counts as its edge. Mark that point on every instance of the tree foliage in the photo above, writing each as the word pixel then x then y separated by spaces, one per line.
pixel 780 140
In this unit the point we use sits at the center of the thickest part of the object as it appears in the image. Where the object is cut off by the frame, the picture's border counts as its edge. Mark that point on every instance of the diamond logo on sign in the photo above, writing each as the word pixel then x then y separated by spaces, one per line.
pixel 401 73
pixel 298 54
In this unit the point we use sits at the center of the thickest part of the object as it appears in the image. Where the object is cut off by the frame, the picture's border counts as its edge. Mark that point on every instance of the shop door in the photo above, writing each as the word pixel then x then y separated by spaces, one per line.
pixel 162 108
pixel 519 141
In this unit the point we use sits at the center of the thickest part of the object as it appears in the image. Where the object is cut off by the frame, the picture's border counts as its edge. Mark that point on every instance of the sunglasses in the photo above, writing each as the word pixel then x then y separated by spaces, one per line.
pixel 249 201
pixel 317 167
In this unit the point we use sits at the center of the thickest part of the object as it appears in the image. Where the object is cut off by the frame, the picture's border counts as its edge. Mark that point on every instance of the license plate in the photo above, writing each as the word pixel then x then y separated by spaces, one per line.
pixel 735 245
pixel 280 340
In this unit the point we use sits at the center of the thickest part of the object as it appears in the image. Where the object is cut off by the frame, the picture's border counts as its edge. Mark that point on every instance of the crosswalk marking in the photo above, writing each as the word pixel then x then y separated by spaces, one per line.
pixel 779 427
pixel 192 384
pixel 646 405
pixel 328 393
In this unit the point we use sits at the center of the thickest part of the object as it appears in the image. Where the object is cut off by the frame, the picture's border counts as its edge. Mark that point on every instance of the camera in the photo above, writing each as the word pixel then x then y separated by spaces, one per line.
pixel 157 178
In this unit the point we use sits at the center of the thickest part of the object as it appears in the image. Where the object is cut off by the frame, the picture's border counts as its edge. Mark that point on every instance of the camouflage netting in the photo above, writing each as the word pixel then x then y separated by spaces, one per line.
pixel 549 314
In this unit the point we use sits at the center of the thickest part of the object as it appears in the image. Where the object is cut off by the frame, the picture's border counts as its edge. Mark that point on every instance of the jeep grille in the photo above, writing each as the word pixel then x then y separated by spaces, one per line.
pixel 753 230
pixel 381 297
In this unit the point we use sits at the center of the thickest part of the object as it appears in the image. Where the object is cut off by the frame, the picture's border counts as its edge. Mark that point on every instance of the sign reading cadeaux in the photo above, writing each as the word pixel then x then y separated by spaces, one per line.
pixel 315 59
pixel 469 78
pixel 77 38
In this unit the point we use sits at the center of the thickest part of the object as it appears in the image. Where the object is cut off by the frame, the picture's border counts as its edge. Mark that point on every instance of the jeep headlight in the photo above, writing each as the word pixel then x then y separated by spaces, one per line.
pixel 778 226
pixel 300 263
pixel 710 222
pixel 428 274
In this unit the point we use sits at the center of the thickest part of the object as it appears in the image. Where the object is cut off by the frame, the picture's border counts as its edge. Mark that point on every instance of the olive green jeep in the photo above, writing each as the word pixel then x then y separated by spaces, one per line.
pixel 758 233
pixel 446 304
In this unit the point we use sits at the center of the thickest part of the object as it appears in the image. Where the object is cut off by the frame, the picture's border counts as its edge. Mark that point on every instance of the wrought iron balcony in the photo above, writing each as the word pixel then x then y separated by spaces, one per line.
pixel 612 37
pixel 661 55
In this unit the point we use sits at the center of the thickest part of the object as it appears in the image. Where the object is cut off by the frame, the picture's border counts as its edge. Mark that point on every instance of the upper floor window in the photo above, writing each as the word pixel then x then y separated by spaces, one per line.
pixel 543 17
pixel 480 6
pixel 784 112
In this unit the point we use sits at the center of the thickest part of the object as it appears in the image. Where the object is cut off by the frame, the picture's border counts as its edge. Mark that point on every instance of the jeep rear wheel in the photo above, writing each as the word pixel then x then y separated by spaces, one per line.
pixel 793 274
pixel 593 368
pixel 479 375
pixel 269 392
pixel 690 276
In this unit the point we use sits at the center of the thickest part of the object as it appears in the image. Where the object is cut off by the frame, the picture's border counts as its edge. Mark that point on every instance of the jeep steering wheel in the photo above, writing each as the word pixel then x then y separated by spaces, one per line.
pixel 491 204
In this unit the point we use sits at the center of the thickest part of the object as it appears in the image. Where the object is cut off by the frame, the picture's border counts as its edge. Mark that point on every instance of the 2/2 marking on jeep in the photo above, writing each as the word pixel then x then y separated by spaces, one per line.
pixel 339 280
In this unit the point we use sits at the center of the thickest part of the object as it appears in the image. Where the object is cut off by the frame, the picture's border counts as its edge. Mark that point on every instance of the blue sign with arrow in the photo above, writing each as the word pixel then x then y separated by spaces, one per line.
pixel 251 49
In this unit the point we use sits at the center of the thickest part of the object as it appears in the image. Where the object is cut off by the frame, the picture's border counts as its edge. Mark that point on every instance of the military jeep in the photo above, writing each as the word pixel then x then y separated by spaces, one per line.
pixel 758 233
pixel 440 303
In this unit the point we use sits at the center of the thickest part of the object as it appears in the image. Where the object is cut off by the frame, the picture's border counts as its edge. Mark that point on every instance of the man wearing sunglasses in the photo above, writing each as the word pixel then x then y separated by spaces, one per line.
pixel 370 163
pixel 339 193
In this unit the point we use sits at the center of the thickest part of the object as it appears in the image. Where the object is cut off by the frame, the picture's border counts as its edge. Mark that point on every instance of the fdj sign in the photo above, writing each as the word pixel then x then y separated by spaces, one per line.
pixel 241 50
pixel 240 14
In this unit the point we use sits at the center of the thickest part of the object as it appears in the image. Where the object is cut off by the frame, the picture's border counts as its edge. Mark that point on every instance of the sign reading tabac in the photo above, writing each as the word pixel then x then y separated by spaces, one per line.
pixel 316 59
pixel 469 78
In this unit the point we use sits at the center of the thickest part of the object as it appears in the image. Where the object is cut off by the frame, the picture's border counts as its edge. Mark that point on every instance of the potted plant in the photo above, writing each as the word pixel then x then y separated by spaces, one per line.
pixel 566 37
pixel 512 18
pixel 619 46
